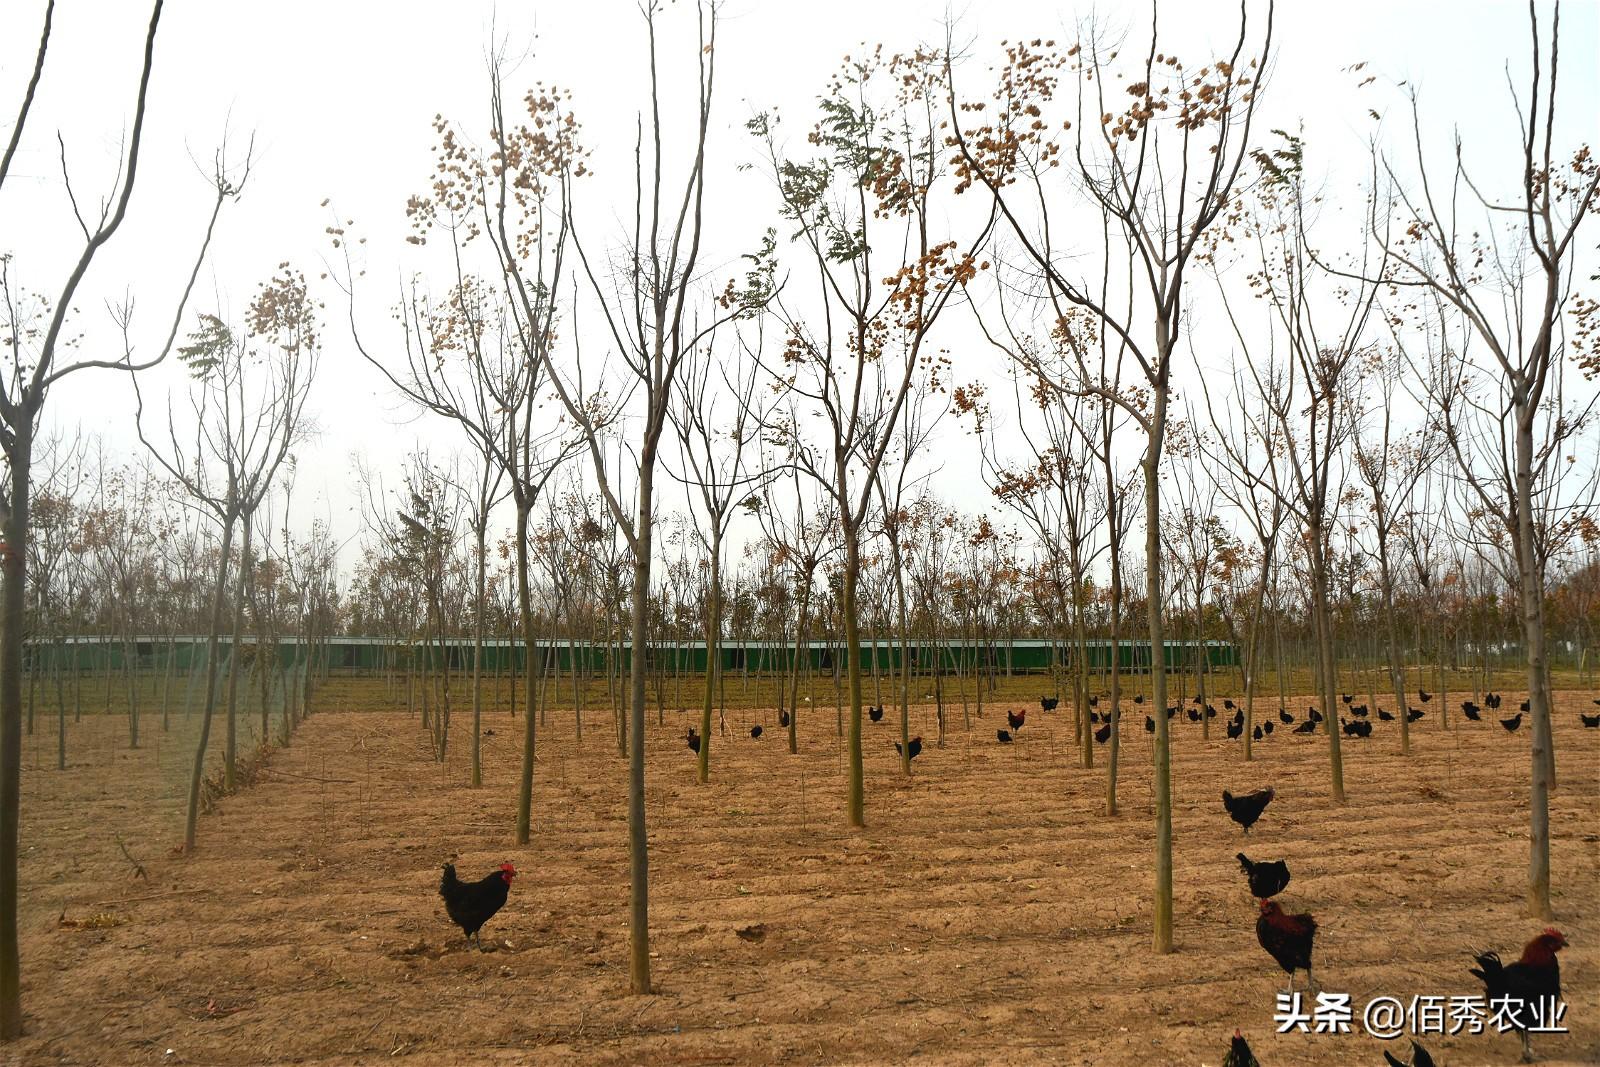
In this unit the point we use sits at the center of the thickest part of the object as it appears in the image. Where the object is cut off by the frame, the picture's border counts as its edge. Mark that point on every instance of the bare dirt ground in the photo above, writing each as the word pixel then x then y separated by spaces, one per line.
pixel 990 913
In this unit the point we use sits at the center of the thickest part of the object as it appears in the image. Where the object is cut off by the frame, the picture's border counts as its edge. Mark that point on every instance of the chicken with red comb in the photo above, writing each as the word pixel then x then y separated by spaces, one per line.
pixel 1535 979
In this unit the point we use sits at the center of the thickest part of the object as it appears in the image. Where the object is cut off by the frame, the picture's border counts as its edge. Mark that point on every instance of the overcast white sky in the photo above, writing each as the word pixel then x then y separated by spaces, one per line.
pixel 340 95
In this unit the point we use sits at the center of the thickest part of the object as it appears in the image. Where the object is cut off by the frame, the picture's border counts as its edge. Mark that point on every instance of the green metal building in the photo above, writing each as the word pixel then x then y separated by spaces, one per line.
pixel 369 654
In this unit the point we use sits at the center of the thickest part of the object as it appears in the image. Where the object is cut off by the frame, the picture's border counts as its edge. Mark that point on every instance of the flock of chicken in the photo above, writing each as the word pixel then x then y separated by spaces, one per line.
pixel 1534 979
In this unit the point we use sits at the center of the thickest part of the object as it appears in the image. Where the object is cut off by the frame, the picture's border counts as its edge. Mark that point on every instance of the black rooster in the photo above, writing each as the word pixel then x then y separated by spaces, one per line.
pixel 1247 809
pixel 1239 1054
pixel 1287 939
pixel 471 904
pixel 1419 1057
pixel 1267 879
pixel 914 749
pixel 1535 979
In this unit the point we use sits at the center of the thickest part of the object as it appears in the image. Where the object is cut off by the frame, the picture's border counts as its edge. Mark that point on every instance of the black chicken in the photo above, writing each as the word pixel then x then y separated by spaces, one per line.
pixel 755 731
pixel 694 741
pixel 1412 714
pixel 1306 728
pixel 1102 735
pixel 1512 723
pixel 1471 711
pixel 1535 979
pixel 1269 726
pixel 1524 706
pixel 1424 696
pixel 1228 704
pixel 1359 710
pixel 1287 939
pixel 783 719
pixel 1419 1057
pixel 1386 716
pixel 1346 697
pixel 1003 736
pixel 1194 715
pixel 1491 701
pixel 876 713
pixel 1313 714
pixel 1235 730
pixel 914 749
pixel 1149 725
pixel 1247 809
pixel 1285 716
pixel 1267 879
pixel 1257 734
pixel 1048 703
pixel 471 904
pixel 1094 701
pixel 1138 698
pixel 1239 1054
pixel 1591 721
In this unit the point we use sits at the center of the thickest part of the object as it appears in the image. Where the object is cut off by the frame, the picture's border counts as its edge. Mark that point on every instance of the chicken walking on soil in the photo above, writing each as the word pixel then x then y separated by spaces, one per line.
pixel 1267 878
pixel 1535 980
pixel 471 904
pixel 1247 809
pixel 1287 939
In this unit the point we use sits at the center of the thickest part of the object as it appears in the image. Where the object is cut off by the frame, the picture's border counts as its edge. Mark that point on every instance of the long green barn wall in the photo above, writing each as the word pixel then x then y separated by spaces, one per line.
pixel 757 656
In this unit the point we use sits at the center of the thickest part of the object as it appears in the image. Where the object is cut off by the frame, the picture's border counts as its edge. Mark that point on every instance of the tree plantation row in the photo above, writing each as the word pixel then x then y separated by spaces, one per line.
pixel 1194 406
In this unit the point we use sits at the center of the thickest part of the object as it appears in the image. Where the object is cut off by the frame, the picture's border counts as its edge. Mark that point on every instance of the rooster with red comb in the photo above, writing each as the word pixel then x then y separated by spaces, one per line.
pixel 471 904
pixel 1535 980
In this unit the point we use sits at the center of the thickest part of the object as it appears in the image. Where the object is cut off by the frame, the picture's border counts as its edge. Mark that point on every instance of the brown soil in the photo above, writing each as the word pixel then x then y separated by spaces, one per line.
pixel 990 913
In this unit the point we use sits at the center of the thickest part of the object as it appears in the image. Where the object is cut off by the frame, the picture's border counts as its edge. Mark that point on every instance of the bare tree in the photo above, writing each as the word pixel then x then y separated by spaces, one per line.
pixel 864 219
pixel 247 406
pixel 1161 166
pixel 1495 275
pixel 713 443
pixel 34 363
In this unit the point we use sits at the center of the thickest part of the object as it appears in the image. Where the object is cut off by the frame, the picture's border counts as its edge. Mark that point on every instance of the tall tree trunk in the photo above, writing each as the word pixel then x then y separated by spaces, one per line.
pixel 213 652
pixel 230 747
pixel 1531 581
pixel 713 636
pixel 477 653
pixel 529 669
pixel 1323 626
pixel 856 786
pixel 638 839
pixel 13 624
pixel 1162 785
